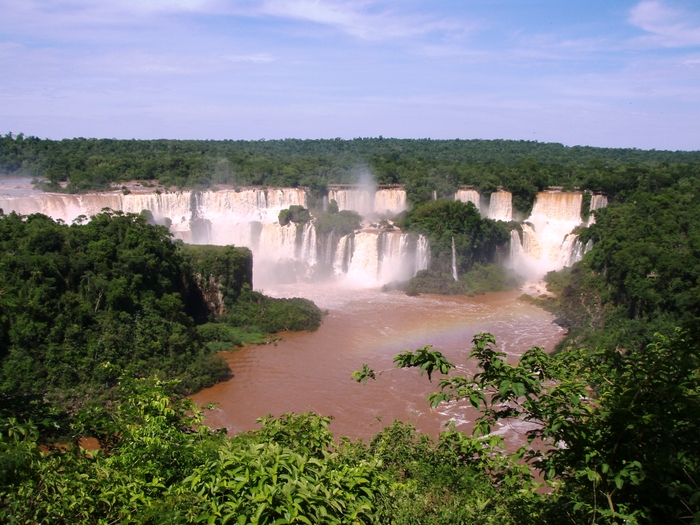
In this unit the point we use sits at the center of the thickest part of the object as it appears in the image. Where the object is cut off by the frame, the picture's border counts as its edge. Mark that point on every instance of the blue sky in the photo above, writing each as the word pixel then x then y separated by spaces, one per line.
pixel 617 73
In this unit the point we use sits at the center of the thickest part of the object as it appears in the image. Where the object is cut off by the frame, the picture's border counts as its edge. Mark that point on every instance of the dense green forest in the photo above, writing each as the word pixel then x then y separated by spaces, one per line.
pixel 642 277
pixel 83 305
pixel 424 166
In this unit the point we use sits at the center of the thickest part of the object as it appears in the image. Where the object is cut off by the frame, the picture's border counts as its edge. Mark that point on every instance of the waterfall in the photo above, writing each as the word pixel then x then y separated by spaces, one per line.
pixel 597 202
pixel 228 210
pixel 249 217
pixel 571 250
pixel 359 200
pixel 390 201
pixel 373 258
pixel 308 245
pixel 422 259
pixel 530 247
pixel 434 195
pixel 469 196
pixel 399 257
pixel 278 243
pixel 516 247
pixel 548 243
pixel 364 264
pixel 454 261
pixel 343 252
pixel 501 206
pixel 387 201
pixel 328 253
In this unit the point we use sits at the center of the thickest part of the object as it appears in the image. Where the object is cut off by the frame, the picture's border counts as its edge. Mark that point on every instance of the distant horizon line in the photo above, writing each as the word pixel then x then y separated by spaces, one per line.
pixel 340 139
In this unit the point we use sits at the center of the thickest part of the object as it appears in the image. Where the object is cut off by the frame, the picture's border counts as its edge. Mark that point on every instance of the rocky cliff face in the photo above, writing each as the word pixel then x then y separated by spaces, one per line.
pixel 220 274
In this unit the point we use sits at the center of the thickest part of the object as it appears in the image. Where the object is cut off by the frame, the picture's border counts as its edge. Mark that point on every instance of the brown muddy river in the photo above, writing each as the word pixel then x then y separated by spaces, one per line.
pixel 311 371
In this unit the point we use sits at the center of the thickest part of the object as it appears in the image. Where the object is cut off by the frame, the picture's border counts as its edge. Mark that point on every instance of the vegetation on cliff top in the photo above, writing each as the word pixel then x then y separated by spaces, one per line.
pixel 84 305
pixel 479 244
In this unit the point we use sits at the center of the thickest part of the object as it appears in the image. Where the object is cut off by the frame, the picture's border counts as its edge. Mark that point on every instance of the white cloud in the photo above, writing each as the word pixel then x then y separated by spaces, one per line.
pixel 668 27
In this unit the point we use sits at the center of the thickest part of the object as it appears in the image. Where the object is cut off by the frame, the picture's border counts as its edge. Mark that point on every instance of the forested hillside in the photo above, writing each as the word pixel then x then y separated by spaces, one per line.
pixel 85 305
pixel 643 275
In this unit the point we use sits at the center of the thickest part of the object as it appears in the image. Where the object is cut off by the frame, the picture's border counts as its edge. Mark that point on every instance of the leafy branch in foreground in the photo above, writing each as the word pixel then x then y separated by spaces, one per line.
pixel 427 360
pixel 617 430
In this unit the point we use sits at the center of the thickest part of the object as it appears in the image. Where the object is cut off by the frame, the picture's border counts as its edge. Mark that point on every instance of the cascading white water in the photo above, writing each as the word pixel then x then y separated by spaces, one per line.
pixel 548 243
pixel 399 257
pixel 422 259
pixel 501 206
pixel 454 261
pixel 516 248
pixel 377 258
pixel 328 250
pixel 278 243
pixel 597 202
pixel 359 200
pixel 364 264
pixel 343 252
pixel 390 201
pixel 308 245
pixel 571 250
pixel 469 196
pixel 249 217
pixel 531 246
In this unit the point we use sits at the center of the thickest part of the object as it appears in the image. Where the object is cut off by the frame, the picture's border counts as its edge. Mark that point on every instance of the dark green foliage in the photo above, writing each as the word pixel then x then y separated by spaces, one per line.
pixel 295 214
pixel 433 282
pixel 220 273
pixel 476 240
pixel 333 206
pixel 484 278
pixel 303 433
pixel 83 304
pixel 619 429
pixel 158 464
pixel 341 223
pixel 254 310
pixel 221 336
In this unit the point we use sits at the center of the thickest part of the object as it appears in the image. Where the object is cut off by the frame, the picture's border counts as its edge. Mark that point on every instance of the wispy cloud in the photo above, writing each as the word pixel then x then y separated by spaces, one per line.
pixel 362 19
pixel 669 27
pixel 258 58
